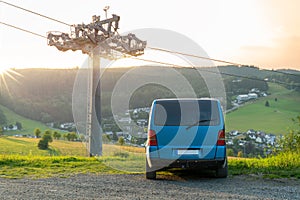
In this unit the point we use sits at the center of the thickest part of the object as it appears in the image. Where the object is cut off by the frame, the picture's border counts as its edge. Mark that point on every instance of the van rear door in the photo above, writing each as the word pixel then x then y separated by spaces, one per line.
pixel 187 129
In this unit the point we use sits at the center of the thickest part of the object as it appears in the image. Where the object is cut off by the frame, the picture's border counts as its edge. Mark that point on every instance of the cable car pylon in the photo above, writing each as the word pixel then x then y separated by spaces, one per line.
pixel 98 39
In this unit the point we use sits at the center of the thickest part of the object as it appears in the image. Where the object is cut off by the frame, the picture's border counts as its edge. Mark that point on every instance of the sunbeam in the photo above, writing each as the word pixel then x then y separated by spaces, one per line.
pixel 8 73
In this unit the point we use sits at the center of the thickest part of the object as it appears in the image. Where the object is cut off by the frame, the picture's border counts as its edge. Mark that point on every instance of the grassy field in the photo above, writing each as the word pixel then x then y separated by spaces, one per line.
pixel 15 166
pixel 19 158
pixel 274 119
pixel 120 158
pixel 28 125
pixel 10 145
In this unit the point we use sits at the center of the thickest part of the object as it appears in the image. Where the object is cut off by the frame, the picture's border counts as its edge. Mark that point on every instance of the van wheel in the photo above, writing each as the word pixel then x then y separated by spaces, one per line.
pixel 150 173
pixel 222 171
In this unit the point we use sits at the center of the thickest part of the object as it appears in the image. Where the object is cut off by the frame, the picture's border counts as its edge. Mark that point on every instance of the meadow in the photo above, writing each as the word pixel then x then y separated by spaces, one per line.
pixel 70 158
pixel 124 159
pixel 28 125
pixel 276 119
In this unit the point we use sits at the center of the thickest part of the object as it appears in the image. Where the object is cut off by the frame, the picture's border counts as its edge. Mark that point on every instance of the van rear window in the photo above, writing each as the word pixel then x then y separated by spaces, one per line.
pixel 186 113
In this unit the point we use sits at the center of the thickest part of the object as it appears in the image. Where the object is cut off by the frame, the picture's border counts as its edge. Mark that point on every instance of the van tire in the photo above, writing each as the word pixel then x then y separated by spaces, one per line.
pixel 150 173
pixel 222 171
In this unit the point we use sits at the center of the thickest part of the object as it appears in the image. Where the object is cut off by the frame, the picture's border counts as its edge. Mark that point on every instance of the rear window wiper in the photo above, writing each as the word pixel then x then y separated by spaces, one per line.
pixel 198 122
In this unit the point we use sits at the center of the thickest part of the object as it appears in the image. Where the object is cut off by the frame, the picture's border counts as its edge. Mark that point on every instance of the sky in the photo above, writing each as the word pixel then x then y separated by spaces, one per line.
pixel 263 33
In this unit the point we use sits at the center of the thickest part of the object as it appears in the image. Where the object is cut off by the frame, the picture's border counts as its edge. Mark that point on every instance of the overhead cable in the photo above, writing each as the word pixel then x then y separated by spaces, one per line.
pixel 30 11
pixel 21 29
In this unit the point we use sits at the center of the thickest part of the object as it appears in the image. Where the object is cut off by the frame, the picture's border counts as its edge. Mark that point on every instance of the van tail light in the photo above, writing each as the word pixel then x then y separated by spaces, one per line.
pixel 221 138
pixel 152 141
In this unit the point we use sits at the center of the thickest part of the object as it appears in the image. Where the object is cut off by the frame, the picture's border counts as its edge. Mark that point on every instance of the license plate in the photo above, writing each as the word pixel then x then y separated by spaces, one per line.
pixel 187 152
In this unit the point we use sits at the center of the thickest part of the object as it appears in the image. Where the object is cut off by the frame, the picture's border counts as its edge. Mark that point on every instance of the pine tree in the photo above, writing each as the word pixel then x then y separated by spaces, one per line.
pixel 267 104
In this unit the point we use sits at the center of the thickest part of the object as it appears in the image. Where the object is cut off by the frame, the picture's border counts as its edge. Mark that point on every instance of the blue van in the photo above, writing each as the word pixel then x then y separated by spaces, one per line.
pixel 186 133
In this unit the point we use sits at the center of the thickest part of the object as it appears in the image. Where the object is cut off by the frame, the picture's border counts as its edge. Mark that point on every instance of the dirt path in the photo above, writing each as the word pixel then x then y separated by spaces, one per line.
pixel 137 187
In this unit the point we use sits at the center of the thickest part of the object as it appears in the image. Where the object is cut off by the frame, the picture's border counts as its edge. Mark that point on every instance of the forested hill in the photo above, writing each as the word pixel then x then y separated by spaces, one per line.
pixel 46 94
pixel 40 94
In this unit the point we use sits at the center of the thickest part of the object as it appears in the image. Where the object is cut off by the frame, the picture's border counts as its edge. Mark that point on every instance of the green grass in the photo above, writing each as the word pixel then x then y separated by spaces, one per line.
pixel 284 165
pixel 22 146
pixel 274 119
pixel 28 146
pixel 20 158
pixel 15 166
pixel 27 124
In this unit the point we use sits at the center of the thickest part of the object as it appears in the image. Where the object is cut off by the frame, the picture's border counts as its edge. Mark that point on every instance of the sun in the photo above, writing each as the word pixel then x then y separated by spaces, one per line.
pixel 3 70
pixel 7 73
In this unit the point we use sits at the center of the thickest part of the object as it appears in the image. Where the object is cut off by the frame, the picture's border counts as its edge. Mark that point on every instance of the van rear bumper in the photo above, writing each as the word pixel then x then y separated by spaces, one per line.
pixel 158 164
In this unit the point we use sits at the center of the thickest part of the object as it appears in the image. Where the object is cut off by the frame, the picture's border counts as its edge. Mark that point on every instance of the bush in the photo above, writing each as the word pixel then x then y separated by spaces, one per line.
pixel 291 141
pixel 240 154
pixel 47 136
pixel 44 142
pixel 267 104
pixel 71 136
pixel 230 152
pixel 121 141
pixel 56 135
pixel 37 132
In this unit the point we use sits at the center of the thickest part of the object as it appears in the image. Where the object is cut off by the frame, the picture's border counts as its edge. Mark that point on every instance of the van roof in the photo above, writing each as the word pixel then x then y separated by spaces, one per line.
pixel 187 99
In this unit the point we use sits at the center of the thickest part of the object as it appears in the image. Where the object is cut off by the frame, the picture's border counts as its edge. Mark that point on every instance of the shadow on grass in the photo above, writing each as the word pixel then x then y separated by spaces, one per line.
pixel 53 152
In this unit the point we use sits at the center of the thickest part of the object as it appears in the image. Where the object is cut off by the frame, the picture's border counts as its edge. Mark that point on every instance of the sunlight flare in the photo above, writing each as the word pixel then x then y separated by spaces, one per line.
pixel 8 73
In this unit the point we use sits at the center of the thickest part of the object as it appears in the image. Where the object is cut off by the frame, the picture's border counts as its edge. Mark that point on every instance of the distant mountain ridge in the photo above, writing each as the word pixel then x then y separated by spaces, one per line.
pixel 46 94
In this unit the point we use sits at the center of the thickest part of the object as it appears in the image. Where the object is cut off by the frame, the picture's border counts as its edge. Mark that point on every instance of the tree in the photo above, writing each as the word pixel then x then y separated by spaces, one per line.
pixel 47 136
pixel 230 152
pixel 74 136
pixel 82 137
pixel 71 136
pixel 19 125
pixel 121 141
pixel 267 104
pixel 44 142
pixel 133 140
pixel 65 136
pixel 37 132
pixel 291 141
pixel 240 154
pixel 56 135
pixel 105 139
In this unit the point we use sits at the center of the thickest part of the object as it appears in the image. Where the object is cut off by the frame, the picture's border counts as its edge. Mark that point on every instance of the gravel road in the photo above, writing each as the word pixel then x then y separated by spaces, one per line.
pixel 137 187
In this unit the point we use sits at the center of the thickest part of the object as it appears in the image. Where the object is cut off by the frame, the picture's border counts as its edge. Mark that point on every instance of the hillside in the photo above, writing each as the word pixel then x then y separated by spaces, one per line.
pixel 46 94
pixel 28 125
pixel 39 94
pixel 276 118
pixel 28 146
pixel 10 145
